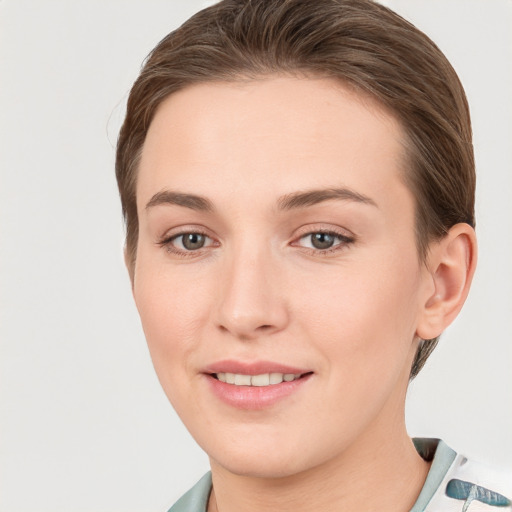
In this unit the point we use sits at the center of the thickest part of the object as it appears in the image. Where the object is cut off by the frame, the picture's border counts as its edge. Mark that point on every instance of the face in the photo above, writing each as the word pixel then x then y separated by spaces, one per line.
pixel 277 276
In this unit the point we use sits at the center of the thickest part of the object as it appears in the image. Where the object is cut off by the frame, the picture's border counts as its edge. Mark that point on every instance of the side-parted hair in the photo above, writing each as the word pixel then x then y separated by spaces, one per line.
pixel 361 43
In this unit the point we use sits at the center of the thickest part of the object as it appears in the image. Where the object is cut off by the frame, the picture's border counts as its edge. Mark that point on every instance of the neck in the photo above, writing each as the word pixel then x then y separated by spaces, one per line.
pixel 382 473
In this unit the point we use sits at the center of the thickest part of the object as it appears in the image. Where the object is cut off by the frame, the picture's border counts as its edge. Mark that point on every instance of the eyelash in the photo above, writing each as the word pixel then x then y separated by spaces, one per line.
pixel 167 243
pixel 344 241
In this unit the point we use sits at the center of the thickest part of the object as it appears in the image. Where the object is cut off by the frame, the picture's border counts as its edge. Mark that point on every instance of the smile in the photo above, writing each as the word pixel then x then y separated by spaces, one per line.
pixel 257 390
pixel 264 379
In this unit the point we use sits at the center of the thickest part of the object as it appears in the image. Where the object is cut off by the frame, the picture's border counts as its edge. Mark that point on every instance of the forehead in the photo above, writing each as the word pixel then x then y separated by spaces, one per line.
pixel 287 132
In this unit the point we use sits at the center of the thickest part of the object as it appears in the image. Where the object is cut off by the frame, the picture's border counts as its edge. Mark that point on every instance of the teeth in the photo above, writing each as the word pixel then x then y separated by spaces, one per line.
pixel 260 380
pixel 242 380
pixel 265 379
pixel 276 378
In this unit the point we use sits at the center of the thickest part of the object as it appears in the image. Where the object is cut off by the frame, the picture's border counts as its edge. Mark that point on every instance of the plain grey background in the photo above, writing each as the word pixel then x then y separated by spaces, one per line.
pixel 84 425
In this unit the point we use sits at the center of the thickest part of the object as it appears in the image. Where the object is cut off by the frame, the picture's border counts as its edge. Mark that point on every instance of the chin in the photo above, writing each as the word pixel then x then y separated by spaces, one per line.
pixel 260 466
pixel 268 458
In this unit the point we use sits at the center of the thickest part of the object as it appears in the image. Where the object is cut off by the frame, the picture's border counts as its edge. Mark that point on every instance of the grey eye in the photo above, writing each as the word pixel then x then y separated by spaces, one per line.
pixel 192 241
pixel 322 240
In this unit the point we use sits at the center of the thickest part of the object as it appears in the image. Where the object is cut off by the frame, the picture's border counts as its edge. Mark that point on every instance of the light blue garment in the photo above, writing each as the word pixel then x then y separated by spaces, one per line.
pixel 453 484
pixel 196 499
pixel 442 457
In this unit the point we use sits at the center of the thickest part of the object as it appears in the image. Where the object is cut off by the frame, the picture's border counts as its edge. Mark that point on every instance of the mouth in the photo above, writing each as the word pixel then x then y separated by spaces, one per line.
pixel 255 385
pixel 260 380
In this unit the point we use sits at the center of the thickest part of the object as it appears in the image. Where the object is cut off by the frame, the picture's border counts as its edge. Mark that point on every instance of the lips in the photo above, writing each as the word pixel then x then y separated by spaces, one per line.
pixel 261 380
pixel 254 385
pixel 253 368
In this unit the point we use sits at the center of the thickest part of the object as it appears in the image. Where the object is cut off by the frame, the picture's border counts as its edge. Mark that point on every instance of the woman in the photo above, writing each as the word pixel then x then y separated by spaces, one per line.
pixel 297 180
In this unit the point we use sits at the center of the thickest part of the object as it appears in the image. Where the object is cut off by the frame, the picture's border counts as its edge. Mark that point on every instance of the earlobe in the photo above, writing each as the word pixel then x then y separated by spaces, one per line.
pixel 451 264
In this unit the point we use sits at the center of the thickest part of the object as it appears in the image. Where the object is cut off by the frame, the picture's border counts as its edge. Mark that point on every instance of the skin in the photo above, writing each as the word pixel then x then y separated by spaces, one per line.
pixel 259 289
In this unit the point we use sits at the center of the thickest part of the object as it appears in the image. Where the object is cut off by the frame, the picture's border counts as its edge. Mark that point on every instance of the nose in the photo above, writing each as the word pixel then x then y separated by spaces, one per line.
pixel 251 300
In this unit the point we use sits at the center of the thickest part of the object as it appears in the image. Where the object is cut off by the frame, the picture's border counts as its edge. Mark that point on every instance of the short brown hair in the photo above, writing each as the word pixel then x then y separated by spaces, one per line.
pixel 359 42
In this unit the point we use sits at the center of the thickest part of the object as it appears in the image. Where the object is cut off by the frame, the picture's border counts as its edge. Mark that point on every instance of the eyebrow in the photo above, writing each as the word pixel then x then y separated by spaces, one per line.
pixel 191 201
pixel 286 202
pixel 312 197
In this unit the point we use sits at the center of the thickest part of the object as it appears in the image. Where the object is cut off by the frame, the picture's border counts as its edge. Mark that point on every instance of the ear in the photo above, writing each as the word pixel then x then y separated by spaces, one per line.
pixel 450 265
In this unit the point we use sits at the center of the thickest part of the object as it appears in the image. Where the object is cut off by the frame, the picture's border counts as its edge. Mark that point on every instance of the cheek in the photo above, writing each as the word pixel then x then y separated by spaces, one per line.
pixel 173 310
pixel 362 317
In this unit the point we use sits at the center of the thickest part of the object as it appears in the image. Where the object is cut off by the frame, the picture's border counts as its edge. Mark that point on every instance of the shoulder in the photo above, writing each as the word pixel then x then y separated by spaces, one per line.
pixel 456 483
pixel 196 499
